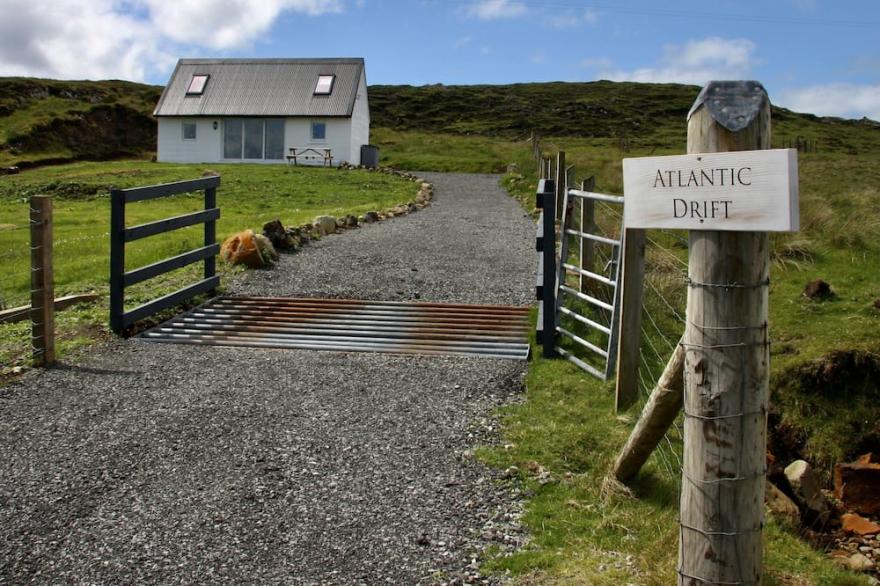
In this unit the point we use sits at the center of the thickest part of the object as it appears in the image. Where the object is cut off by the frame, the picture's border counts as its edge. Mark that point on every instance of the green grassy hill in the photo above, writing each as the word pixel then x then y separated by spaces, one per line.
pixel 43 120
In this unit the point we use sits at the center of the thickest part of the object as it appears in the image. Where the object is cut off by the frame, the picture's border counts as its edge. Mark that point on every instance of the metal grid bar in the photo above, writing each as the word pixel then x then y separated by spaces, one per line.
pixel 587 298
pixel 590 275
pixel 575 338
pixel 353 326
pixel 595 196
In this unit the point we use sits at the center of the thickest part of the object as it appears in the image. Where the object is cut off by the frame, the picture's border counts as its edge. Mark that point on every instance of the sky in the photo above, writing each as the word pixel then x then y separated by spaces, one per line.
pixel 816 56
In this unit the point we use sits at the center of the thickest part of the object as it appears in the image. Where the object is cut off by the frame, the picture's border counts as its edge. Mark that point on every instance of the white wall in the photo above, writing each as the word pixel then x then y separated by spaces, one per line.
pixel 206 148
pixel 360 122
pixel 208 145
pixel 337 138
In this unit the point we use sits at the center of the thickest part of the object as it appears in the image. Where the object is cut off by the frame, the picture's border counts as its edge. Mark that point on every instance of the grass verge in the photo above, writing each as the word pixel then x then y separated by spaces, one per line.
pixel 249 196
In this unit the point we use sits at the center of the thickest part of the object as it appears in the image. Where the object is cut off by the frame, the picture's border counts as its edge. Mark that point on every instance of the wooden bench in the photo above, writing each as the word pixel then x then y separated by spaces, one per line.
pixel 297 154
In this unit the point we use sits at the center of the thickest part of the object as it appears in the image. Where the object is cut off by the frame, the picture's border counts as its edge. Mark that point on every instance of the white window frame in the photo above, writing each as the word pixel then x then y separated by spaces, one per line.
pixel 197 91
pixel 329 90
pixel 195 128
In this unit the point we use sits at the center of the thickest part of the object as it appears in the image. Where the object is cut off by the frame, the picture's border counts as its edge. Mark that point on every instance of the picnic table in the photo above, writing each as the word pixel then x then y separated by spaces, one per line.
pixel 296 154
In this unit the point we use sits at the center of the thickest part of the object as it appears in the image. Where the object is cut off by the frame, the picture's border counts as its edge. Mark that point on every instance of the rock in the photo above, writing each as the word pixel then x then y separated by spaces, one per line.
pixel 857 484
pixel 859 562
pixel 805 486
pixel 280 237
pixel 513 168
pixel 11 170
pixel 267 251
pixel 853 523
pixel 782 507
pixel 340 223
pixel 325 225
pixel 351 221
pixel 370 217
pixel 210 173
pixel 242 248
pixel 818 289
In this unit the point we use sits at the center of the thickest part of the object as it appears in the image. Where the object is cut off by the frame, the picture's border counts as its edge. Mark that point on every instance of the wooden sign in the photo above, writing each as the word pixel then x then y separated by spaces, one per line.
pixel 738 191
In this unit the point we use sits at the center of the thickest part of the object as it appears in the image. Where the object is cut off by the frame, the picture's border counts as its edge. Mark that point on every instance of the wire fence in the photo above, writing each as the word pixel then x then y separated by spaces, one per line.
pixel 15 265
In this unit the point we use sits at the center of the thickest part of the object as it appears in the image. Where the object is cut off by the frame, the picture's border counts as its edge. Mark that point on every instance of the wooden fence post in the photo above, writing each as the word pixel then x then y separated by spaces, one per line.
pixel 560 183
pixel 587 250
pixel 42 281
pixel 629 341
pixel 726 374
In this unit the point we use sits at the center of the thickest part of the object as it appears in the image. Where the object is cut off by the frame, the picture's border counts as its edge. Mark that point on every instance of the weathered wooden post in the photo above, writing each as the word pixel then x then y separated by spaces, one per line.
pixel 560 184
pixel 726 369
pixel 728 201
pixel 629 341
pixel 42 281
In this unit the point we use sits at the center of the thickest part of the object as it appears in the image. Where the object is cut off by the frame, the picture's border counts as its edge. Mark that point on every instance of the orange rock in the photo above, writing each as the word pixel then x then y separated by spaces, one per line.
pixel 241 248
pixel 857 484
pixel 857 524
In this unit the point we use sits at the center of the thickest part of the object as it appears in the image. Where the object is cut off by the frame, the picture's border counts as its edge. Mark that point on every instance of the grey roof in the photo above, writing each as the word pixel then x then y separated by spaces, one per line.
pixel 262 87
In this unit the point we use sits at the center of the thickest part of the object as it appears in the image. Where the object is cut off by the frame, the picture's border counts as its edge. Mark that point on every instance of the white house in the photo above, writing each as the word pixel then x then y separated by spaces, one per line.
pixel 258 110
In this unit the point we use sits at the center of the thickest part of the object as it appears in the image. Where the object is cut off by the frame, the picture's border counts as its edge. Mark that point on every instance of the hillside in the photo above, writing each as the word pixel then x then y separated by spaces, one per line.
pixel 44 120
pixel 652 113
pixel 49 120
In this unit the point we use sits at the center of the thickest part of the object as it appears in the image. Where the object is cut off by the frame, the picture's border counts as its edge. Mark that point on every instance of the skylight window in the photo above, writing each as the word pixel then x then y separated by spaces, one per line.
pixel 325 85
pixel 197 85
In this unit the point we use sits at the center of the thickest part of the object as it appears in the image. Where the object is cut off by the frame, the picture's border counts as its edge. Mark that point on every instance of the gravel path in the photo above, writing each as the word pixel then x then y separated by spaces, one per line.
pixel 152 463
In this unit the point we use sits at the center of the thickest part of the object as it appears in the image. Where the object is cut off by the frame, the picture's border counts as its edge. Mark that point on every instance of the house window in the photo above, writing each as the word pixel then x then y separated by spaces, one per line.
pixel 325 85
pixel 189 131
pixel 253 138
pixel 319 131
pixel 197 85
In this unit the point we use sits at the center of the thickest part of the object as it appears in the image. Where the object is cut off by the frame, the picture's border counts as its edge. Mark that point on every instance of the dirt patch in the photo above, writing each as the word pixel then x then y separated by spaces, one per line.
pixel 828 410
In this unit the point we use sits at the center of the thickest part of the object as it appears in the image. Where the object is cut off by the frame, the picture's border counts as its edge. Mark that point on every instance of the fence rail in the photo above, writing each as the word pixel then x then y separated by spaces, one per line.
pixel 120 235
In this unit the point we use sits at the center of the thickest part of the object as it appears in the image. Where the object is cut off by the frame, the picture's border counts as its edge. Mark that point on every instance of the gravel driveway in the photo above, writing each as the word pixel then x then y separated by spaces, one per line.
pixel 153 463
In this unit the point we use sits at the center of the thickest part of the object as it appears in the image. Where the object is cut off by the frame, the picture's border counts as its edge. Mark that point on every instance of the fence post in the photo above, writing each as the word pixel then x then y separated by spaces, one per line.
pixel 42 281
pixel 560 182
pixel 631 283
pixel 587 251
pixel 726 369
pixel 548 309
pixel 117 260
pixel 210 232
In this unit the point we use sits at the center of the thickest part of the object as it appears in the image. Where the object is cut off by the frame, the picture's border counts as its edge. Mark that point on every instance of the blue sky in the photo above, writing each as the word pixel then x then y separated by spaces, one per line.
pixel 812 55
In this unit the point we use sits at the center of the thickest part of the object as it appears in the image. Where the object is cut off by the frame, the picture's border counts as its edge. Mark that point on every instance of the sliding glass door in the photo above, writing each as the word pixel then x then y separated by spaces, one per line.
pixel 253 139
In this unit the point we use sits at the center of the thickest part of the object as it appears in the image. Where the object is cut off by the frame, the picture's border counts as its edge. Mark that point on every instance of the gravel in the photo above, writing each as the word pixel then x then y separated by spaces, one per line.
pixel 151 463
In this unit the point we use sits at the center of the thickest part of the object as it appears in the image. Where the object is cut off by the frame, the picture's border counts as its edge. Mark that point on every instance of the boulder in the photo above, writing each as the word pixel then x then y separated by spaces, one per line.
pixel 782 507
pixel 280 237
pixel 267 251
pixel 853 523
pixel 818 289
pixel 242 249
pixel 351 221
pixel 210 173
pixel 512 168
pixel 325 225
pixel 370 217
pixel 859 562
pixel 805 486
pixel 11 170
pixel 857 484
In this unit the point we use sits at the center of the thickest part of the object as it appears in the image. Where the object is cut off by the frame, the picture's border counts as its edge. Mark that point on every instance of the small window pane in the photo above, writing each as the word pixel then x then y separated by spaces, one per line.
pixel 275 139
pixel 325 84
pixel 319 131
pixel 189 131
pixel 253 139
pixel 197 84
pixel 232 139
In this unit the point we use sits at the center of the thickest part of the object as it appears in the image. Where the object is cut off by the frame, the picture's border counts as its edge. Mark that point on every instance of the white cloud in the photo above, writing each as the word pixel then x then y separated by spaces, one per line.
pixel 130 39
pixel 572 19
pixel 223 24
pixel 495 9
pixel 838 99
pixel 696 62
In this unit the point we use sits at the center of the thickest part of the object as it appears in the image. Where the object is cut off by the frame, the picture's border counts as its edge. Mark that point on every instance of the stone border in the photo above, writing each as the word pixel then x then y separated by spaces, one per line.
pixel 292 239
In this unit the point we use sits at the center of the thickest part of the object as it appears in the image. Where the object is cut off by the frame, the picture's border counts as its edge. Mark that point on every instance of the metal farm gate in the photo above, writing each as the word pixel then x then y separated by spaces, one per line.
pixel 580 296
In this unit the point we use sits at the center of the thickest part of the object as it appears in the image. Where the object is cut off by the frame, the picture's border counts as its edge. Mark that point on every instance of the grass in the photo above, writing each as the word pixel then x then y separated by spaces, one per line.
pixel 249 196
pixel 582 534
